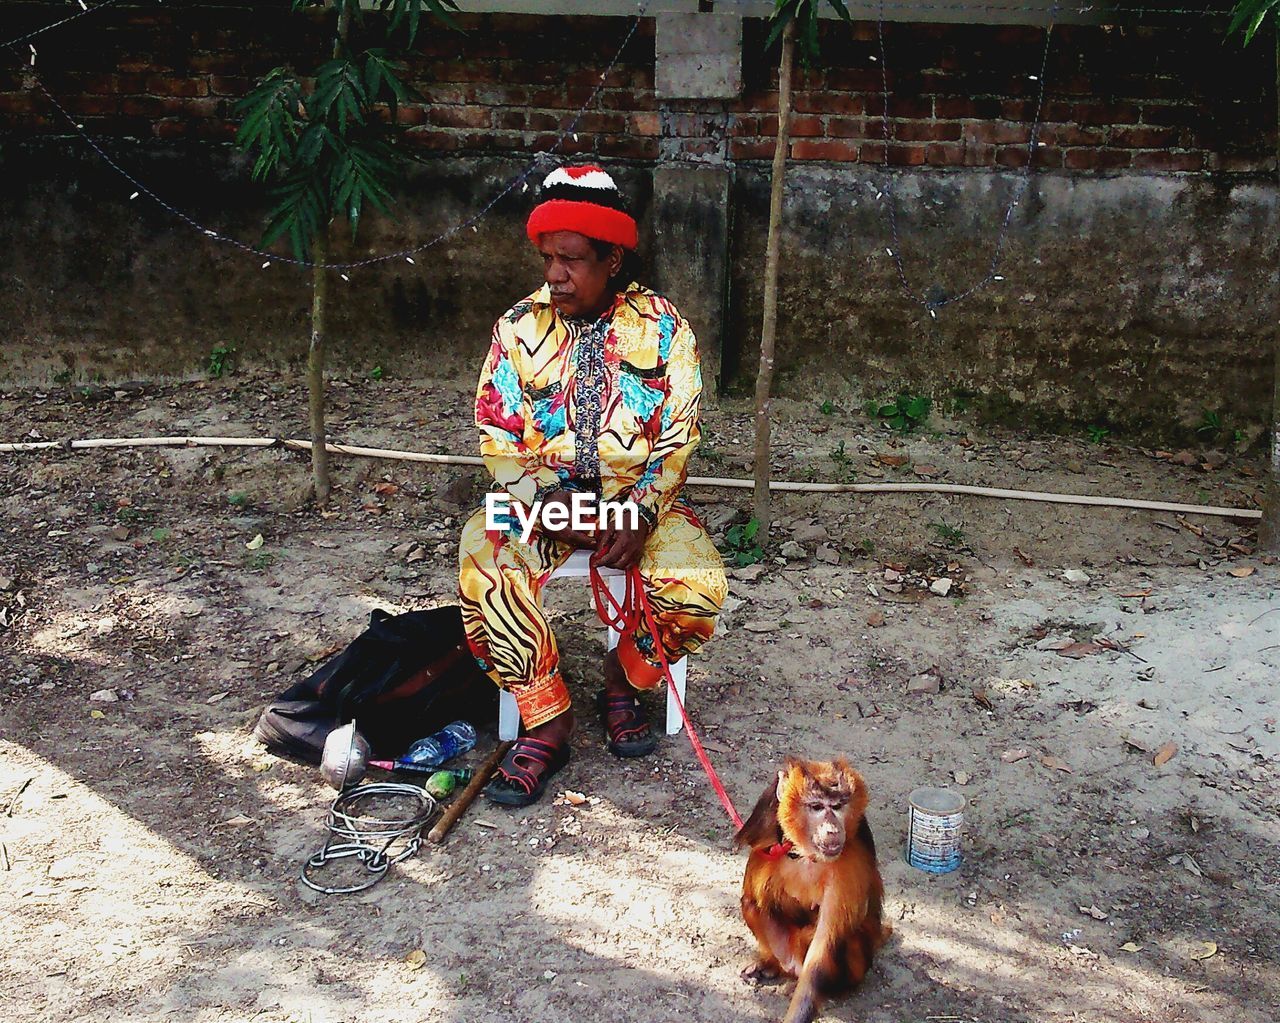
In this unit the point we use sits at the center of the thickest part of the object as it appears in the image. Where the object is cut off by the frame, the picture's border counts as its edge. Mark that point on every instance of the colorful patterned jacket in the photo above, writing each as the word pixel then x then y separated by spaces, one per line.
pixel 536 401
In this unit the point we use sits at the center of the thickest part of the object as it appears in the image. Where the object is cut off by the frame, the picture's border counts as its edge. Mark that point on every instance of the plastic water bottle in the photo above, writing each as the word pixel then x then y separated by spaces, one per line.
pixel 451 741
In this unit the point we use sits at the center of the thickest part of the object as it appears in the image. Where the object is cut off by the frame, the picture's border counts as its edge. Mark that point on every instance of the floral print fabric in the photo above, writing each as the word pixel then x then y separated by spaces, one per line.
pixel 630 382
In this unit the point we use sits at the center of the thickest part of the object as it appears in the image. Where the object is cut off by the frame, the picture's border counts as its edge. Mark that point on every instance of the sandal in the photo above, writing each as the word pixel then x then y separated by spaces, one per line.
pixel 626 725
pixel 522 776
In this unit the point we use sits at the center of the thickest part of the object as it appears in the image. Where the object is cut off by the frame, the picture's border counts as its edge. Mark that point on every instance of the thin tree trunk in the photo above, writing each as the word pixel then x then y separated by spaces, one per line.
pixel 769 329
pixel 319 319
pixel 315 367
pixel 1269 527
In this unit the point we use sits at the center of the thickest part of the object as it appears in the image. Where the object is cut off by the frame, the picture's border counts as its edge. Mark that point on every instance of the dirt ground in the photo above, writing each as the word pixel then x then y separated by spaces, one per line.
pixel 150 850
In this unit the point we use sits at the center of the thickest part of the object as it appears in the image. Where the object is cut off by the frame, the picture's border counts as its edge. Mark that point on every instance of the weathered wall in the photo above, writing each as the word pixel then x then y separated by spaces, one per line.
pixel 1141 284
pixel 103 286
pixel 1135 300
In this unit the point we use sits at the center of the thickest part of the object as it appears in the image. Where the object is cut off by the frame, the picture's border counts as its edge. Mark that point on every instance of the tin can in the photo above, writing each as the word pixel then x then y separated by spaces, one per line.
pixel 935 818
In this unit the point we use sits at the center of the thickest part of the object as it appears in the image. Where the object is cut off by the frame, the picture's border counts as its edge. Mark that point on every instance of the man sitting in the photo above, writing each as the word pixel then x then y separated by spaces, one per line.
pixel 591 386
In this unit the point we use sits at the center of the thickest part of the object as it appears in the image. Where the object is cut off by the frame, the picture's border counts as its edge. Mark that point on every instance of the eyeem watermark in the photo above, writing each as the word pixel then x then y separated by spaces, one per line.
pixel 584 512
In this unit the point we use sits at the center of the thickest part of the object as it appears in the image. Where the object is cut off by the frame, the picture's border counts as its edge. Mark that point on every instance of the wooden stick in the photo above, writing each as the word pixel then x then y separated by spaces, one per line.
pixel 469 794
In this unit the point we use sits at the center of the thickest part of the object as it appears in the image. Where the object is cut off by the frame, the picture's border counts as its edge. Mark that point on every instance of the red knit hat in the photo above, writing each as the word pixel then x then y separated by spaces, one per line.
pixel 583 199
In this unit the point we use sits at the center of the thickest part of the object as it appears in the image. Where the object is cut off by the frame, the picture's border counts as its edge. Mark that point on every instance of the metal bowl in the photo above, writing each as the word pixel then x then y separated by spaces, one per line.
pixel 345 758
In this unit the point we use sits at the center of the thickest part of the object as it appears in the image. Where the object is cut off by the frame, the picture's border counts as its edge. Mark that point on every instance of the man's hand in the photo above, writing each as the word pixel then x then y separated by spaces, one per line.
pixel 621 546
pixel 576 538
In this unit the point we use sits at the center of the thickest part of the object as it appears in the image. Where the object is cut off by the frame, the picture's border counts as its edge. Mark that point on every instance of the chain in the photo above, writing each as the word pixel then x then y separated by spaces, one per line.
pixel 895 250
pixel 369 839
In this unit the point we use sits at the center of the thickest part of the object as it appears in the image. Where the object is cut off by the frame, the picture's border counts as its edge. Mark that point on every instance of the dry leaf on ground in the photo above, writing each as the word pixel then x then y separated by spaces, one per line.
pixel 1078 650
pixel 416 959
pixel 1056 764
pixel 1207 950
pixel 1165 753
pixel 1190 864
pixel 981 698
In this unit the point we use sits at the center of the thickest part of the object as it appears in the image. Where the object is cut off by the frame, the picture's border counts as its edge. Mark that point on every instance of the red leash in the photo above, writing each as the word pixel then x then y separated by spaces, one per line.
pixel 623 617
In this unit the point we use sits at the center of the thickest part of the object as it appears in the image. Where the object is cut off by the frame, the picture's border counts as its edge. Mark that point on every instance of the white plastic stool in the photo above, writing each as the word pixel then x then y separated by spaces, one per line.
pixel 578 566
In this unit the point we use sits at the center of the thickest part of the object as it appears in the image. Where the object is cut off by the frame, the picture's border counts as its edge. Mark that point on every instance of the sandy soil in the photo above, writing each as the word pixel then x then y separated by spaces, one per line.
pixel 150 852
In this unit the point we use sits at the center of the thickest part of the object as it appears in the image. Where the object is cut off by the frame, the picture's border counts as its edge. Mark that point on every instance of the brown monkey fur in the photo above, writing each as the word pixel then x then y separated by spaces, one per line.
pixel 814 906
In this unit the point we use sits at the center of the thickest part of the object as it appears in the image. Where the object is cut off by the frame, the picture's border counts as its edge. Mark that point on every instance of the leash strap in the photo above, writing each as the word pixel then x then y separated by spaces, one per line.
pixel 623 617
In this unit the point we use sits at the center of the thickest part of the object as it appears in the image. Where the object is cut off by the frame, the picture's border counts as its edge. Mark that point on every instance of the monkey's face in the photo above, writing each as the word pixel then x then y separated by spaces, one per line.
pixel 818 806
pixel 824 811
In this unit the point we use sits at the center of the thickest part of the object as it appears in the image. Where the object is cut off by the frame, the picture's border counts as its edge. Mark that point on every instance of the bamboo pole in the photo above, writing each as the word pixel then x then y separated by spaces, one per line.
pixel 1269 527
pixel 769 328
pixel 725 482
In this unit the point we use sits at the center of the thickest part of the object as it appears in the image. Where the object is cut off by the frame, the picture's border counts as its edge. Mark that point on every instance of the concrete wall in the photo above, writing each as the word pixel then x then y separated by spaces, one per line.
pixel 102 286
pixel 1141 284
pixel 1135 300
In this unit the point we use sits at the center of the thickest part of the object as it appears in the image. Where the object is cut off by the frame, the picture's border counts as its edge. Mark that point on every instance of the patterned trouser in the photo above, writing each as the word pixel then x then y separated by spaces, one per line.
pixel 501 581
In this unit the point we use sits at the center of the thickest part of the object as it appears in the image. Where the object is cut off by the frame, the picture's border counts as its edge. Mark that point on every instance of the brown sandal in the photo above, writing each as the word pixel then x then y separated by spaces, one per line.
pixel 626 725
pixel 523 774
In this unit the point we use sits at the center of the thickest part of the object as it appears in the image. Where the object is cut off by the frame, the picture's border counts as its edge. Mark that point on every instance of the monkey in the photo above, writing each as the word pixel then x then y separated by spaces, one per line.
pixel 812 893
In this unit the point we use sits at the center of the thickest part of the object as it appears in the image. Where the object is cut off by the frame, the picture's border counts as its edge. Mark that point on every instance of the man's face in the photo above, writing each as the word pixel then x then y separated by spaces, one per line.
pixel 578 277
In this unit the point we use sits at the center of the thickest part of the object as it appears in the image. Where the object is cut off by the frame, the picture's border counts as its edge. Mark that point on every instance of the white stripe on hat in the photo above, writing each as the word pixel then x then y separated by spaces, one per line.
pixel 592 177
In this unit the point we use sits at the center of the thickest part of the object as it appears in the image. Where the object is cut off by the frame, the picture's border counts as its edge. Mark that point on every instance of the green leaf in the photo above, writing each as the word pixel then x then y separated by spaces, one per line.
pixel 751 529
pixel 382 82
pixel 271 123
pixel 917 407
pixel 339 95
pixel 809 38
pixel 1249 15
pixel 411 10
pixel 780 18
pixel 361 174
pixel 301 209
pixel 1253 27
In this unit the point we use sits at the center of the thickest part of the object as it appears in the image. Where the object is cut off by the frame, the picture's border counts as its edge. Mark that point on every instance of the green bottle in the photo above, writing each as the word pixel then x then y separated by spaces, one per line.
pixel 442 783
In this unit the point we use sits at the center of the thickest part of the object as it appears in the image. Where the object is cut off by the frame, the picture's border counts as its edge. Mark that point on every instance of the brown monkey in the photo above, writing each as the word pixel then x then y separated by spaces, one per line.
pixel 812 892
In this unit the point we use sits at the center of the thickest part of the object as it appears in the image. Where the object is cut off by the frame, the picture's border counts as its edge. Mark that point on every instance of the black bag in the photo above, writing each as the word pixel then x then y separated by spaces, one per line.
pixel 403 678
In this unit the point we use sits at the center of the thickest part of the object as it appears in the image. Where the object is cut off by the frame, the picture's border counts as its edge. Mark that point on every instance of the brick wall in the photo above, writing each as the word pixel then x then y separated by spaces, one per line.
pixel 1170 99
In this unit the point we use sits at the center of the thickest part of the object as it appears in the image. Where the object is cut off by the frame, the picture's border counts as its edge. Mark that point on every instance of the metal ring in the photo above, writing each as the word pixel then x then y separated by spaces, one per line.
pixel 369 839
pixel 344 851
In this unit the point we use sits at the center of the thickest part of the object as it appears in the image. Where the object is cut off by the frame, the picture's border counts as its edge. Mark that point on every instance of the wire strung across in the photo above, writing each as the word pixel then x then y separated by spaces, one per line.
pixel 520 179
pixel 932 304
